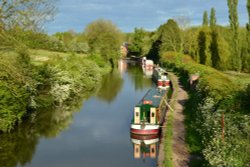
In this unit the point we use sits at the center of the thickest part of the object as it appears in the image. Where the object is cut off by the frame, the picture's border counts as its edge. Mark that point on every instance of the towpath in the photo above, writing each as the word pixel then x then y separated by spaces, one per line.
pixel 180 153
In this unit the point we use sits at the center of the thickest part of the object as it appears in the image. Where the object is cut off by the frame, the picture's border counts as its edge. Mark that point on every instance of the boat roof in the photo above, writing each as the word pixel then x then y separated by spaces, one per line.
pixel 153 97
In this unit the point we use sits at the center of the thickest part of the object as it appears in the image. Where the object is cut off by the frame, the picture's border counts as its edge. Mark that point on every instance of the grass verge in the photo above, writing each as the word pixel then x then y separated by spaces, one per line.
pixel 168 160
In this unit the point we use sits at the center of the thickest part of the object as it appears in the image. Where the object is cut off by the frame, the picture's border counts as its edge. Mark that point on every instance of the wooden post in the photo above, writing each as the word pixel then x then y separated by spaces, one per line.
pixel 222 126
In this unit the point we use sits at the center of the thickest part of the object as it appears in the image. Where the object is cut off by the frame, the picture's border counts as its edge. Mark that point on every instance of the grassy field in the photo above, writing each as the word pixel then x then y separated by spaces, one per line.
pixel 40 56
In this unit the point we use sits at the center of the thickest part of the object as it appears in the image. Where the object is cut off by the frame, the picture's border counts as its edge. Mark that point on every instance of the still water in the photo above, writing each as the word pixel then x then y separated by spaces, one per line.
pixel 92 133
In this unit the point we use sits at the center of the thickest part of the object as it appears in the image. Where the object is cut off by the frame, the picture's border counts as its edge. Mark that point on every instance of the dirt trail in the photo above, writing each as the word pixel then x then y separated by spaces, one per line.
pixel 180 153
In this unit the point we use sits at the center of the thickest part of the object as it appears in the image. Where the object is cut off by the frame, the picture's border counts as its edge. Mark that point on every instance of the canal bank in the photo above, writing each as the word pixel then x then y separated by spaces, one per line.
pixel 173 150
pixel 96 132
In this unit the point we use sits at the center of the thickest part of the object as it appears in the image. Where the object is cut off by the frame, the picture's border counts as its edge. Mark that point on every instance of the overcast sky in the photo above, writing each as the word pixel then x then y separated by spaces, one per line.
pixel 128 14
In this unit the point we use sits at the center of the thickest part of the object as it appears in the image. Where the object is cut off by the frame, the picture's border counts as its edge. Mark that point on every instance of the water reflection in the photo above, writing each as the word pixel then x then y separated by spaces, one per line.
pixel 136 74
pixel 145 146
pixel 147 72
pixel 18 147
pixel 111 86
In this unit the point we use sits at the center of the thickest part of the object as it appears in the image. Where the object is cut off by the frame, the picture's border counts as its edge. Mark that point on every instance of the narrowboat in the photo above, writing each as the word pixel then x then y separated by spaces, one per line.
pixel 160 76
pixel 149 113
pixel 147 64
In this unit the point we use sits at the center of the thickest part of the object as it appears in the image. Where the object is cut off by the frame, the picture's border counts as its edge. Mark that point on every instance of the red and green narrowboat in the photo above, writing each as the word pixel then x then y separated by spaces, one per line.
pixel 149 113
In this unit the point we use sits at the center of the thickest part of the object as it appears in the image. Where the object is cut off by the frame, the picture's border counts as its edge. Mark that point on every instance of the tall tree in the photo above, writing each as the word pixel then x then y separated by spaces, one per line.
pixel 212 18
pixel 234 25
pixel 248 27
pixel 246 47
pixel 215 57
pixel 170 37
pixel 205 19
pixel 104 39
pixel 202 47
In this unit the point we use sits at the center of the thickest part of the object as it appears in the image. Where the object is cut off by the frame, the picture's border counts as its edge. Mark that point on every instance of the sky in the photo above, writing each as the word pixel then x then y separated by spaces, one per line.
pixel 128 14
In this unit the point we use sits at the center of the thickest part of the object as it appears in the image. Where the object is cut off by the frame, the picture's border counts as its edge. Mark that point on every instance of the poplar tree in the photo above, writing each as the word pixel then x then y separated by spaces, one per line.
pixel 215 57
pixel 234 25
pixel 212 18
pixel 205 19
pixel 246 59
pixel 248 26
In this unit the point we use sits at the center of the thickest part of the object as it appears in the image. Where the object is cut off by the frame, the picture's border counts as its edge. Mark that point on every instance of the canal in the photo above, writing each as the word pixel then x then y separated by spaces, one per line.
pixel 93 133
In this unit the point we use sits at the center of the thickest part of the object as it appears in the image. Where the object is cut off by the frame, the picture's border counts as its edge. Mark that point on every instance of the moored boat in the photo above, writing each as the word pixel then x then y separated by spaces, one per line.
pixel 149 113
pixel 147 64
pixel 160 76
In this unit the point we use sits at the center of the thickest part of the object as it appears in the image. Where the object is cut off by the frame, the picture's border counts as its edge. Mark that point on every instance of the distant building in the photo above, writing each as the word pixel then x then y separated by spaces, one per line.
pixel 124 49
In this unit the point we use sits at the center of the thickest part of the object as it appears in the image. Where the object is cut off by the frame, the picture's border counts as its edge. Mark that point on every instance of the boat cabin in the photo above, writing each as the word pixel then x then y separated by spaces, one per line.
pixel 148 109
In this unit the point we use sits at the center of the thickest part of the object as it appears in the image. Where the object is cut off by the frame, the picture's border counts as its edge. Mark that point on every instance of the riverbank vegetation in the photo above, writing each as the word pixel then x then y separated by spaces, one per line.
pixel 39 70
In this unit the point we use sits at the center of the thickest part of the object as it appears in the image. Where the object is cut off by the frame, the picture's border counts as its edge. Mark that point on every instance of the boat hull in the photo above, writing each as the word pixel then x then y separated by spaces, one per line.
pixel 141 129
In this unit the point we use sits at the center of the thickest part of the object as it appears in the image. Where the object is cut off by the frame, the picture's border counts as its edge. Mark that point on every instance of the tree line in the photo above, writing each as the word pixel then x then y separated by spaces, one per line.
pixel 221 47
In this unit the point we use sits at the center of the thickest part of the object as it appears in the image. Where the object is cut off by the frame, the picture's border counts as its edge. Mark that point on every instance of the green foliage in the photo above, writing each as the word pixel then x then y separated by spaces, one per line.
pixel 215 96
pixel 204 40
pixel 17 89
pixel 27 85
pixel 137 42
pixel 234 25
pixel 104 38
pixel 170 37
pixel 212 18
pixel 205 19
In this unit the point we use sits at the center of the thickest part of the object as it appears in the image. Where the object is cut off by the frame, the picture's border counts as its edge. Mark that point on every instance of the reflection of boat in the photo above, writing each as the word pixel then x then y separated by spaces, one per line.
pixel 145 145
pixel 160 76
pixel 149 113
pixel 147 72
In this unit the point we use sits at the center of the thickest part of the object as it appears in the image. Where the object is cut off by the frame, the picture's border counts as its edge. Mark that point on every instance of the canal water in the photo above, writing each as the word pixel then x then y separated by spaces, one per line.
pixel 92 133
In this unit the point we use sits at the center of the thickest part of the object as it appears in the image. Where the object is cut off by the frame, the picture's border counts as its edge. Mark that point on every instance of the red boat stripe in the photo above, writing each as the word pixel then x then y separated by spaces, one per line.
pixel 144 132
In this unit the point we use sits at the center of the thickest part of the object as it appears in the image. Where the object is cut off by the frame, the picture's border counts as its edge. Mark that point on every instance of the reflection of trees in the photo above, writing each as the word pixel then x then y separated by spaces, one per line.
pixel 19 146
pixel 136 74
pixel 111 85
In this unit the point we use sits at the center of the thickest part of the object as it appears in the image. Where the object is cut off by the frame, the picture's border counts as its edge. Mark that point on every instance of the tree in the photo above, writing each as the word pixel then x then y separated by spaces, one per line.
pixel 170 37
pixel 19 16
pixel 28 14
pixel 246 57
pixel 202 47
pixel 212 18
pixel 234 25
pixel 215 57
pixel 137 42
pixel 104 39
pixel 205 19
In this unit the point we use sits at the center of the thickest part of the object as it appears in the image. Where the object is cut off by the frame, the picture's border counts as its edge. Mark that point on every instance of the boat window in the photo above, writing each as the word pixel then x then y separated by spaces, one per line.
pixel 137 114
pixel 153 114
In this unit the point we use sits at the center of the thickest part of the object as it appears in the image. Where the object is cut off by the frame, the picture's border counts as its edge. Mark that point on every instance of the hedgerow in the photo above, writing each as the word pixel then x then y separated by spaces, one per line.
pixel 217 123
